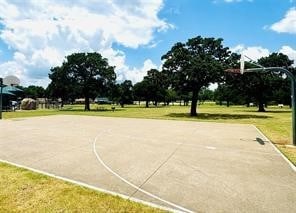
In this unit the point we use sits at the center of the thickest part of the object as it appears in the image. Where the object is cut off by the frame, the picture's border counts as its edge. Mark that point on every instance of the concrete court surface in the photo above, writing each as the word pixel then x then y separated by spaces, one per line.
pixel 203 167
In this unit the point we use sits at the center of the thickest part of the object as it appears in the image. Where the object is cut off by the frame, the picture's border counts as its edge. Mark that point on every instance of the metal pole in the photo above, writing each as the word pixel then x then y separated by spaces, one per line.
pixel 1 86
pixel 293 92
pixel 293 99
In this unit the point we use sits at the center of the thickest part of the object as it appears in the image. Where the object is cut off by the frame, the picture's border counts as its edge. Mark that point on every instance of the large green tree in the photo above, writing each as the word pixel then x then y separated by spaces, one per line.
pixel 157 85
pixel 152 87
pixel 34 91
pixel 195 64
pixel 142 91
pixel 126 95
pixel 262 86
pixel 233 88
pixel 206 94
pixel 88 73
pixel 62 84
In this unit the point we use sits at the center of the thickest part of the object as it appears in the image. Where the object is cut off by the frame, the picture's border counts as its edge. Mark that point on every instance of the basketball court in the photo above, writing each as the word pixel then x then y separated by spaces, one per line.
pixel 185 166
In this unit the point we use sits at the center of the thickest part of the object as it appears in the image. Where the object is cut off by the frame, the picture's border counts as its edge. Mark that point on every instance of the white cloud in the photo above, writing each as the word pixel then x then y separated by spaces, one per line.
pixel 42 32
pixel 287 24
pixel 254 52
pixel 12 67
pixel 257 52
pixel 290 52
pixel 123 72
pixel 136 75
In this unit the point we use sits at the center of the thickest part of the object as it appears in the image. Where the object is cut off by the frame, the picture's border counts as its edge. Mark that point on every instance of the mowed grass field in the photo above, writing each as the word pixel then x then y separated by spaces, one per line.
pixel 22 190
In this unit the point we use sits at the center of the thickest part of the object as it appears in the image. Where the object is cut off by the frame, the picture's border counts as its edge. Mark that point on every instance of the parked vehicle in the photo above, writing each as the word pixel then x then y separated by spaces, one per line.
pixel 102 100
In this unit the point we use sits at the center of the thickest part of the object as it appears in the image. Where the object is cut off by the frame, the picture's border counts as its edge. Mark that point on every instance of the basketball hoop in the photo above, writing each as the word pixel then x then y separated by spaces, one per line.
pixel 237 71
pixel 261 69
pixel 11 80
pixel 241 69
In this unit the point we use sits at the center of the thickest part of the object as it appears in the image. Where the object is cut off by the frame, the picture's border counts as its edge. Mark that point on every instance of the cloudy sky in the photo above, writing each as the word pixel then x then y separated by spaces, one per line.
pixel 133 34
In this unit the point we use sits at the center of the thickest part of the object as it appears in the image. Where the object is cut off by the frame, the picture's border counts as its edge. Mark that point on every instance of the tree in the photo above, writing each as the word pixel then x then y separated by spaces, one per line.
pixel 282 94
pixel 34 92
pixel 262 85
pixel 62 84
pixel 114 92
pixel 151 88
pixel 156 81
pixel 206 94
pixel 90 73
pixel 126 93
pixel 229 94
pixel 143 91
pixel 234 86
pixel 195 64
pixel 170 96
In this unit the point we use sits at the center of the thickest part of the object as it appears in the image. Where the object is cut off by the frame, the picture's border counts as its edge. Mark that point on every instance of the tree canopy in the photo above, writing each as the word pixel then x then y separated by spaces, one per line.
pixel 33 91
pixel 195 64
pixel 263 87
pixel 86 73
pixel 126 95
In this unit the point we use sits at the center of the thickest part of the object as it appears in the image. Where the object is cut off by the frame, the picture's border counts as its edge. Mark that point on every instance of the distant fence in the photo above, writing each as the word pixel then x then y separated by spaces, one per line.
pixel 43 103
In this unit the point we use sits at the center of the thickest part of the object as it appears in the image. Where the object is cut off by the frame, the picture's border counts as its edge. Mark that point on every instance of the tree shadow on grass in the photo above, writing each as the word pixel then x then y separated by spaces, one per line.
pixel 267 111
pixel 282 111
pixel 92 110
pixel 216 116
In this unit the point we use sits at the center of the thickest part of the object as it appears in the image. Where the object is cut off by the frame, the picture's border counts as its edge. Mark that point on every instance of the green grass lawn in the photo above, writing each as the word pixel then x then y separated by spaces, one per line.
pixel 25 191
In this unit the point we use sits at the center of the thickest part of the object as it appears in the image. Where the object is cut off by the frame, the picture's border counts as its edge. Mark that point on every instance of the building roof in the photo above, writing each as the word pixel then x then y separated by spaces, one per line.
pixel 10 90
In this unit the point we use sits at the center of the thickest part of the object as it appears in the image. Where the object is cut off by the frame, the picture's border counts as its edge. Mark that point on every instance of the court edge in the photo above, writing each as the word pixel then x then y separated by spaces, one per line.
pixel 91 187
pixel 293 167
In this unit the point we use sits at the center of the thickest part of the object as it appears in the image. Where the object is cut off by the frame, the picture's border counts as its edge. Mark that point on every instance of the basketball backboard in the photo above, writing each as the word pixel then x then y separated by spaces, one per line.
pixel 11 80
pixel 242 64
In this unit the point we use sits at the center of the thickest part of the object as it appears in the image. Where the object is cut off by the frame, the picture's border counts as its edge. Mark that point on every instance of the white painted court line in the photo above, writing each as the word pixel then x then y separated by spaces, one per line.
pixel 131 184
pixel 276 149
pixel 211 147
pixel 90 186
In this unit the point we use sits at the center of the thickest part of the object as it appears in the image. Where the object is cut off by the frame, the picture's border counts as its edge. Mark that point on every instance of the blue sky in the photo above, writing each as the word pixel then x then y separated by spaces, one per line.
pixel 134 35
pixel 237 23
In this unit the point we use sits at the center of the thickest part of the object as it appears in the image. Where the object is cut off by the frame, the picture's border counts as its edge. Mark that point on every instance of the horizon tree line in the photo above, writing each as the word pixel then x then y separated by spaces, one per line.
pixel 188 69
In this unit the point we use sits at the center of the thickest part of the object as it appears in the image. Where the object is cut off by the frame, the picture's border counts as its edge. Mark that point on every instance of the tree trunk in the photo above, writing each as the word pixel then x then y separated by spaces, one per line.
pixel 147 104
pixel 194 103
pixel 261 107
pixel 86 106
pixel 228 103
